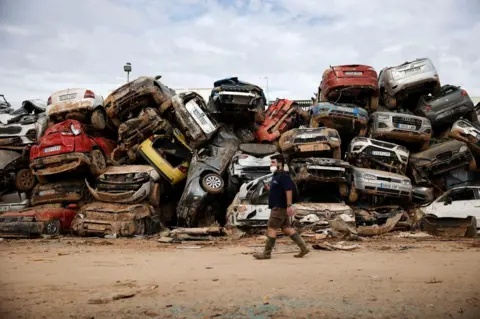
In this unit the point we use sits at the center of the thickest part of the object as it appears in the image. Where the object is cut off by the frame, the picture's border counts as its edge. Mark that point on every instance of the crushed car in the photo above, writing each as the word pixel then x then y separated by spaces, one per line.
pixel 446 106
pixel 79 104
pixel 467 132
pixel 232 99
pixel 67 146
pixel 366 152
pixel 127 184
pixel 347 119
pixel 15 173
pixel 398 83
pixel 442 156
pixel 199 204
pixel 13 201
pixel 378 220
pixel 129 99
pixel 24 126
pixel 281 116
pixel 5 106
pixel 403 129
pixel 307 142
pixel 352 83
pixel 63 192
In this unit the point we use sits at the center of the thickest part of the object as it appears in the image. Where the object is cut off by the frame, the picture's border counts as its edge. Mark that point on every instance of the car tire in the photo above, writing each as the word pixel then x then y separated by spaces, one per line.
pixel 24 180
pixel 154 196
pixel 213 183
pixel 99 163
pixel 472 165
pixel 373 105
pixel 53 227
pixel 42 179
pixel 353 196
pixel 98 119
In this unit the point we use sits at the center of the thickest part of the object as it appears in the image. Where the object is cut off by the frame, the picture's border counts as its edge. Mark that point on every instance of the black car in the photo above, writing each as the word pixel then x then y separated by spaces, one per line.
pixel 451 103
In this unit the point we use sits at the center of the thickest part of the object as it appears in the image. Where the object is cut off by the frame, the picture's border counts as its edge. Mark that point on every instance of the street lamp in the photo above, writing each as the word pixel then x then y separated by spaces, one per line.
pixel 128 68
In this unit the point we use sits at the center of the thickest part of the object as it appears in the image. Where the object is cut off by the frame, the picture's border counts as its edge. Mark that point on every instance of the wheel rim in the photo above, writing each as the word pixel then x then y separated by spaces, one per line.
pixel 213 181
pixel 52 227
pixel 26 179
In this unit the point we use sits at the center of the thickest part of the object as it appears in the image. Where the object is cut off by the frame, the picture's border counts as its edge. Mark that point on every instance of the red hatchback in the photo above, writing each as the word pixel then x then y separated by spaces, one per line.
pixel 354 83
pixel 67 146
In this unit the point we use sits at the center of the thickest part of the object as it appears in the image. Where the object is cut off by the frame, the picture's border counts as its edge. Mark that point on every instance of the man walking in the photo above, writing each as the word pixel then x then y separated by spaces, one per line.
pixel 280 203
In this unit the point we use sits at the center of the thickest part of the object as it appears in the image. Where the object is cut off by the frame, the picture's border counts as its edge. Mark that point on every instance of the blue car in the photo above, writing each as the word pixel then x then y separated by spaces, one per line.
pixel 347 118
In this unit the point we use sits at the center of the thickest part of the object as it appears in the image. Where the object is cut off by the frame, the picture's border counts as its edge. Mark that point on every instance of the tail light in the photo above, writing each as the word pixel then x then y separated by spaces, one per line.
pixel 428 108
pixel 72 206
pixel 464 93
pixel 151 138
pixel 89 95
pixel 183 169
pixel 49 100
pixel 242 156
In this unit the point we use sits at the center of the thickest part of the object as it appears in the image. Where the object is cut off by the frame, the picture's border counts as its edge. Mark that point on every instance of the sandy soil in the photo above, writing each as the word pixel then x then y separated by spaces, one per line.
pixel 385 278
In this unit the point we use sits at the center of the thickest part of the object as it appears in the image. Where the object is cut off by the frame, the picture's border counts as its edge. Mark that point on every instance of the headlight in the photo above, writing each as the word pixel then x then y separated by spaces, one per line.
pixel 369 176
pixel 74 130
pixel 383 117
pixel 334 139
pixel 81 215
pixel 406 182
pixel 463 148
pixel 28 219
pixel 404 158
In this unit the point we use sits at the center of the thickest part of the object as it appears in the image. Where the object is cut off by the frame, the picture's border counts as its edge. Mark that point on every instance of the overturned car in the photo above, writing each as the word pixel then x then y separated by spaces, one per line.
pixel 307 142
pixel 64 192
pixel 345 118
pixel 467 132
pixel 14 172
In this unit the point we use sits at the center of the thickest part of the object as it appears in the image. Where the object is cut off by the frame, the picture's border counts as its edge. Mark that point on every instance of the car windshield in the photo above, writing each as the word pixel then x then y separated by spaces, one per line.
pixel 172 151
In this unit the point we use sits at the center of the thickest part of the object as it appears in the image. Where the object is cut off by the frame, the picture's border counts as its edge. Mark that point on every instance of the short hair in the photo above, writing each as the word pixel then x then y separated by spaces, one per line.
pixel 279 158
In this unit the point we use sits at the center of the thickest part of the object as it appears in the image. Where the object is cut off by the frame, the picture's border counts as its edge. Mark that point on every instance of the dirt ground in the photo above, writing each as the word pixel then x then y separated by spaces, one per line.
pixel 140 278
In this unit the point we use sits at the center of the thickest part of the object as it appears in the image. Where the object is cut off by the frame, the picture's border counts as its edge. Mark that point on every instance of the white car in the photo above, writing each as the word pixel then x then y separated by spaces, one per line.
pixel 79 104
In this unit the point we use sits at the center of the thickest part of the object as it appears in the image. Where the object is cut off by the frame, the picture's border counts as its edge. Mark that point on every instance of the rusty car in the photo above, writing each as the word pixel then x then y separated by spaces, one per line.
pixel 127 101
pixel 127 184
pixel 79 104
pixel 352 83
pixel 403 129
pixel 468 132
pixel 15 173
pixel 347 119
pixel 64 192
pixel 307 142
pixel 67 146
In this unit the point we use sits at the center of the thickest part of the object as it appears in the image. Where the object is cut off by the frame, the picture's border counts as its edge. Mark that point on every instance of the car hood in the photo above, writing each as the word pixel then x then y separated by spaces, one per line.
pixel 434 150
pixel 7 157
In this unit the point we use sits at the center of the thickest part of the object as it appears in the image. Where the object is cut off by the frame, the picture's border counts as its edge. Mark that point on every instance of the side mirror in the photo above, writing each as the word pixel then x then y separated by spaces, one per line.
pixel 158 77
pixel 448 201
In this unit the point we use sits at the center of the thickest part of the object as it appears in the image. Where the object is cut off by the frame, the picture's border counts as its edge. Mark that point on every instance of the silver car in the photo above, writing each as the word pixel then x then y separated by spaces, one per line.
pixel 13 202
pixel 414 77
pixel 379 183
pixel 400 128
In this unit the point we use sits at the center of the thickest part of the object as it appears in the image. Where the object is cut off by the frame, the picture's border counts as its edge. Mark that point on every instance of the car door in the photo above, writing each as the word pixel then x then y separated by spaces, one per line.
pixel 457 203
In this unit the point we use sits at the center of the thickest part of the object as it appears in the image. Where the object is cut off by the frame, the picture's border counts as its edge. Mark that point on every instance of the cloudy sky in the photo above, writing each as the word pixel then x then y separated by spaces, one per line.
pixel 50 45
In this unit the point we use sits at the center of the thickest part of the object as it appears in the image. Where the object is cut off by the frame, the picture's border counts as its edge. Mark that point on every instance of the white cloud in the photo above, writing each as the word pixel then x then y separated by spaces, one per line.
pixel 50 45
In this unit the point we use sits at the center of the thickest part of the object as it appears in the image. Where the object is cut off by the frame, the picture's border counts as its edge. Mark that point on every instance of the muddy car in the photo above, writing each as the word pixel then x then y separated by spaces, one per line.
pixel 381 184
pixel 199 204
pixel 79 104
pixel 127 184
pixel 467 132
pixel 233 100
pixel 14 172
pixel 445 107
pixel 345 118
pixel 14 201
pixel 127 101
pixel 280 117
pixel 323 170
pixel 397 83
pixel 49 219
pixel 307 142
pixel 366 152
pixel 100 218
pixel 63 192
pixel 5 107
pixel 67 146
pixel 441 157
pixel 24 126
pixel 400 128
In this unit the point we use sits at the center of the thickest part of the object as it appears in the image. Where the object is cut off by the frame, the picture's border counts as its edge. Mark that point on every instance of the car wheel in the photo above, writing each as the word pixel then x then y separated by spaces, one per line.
pixel 98 119
pixel 24 180
pixel 53 227
pixel 99 164
pixel 42 179
pixel 213 183
pixel 373 105
pixel 353 196
pixel 154 196
pixel 472 165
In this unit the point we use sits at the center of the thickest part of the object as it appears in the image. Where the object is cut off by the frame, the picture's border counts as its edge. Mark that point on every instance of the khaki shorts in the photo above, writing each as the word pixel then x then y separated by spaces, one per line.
pixel 278 218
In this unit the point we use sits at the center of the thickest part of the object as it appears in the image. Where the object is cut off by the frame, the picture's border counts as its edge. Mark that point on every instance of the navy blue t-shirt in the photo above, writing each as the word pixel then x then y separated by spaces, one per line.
pixel 280 183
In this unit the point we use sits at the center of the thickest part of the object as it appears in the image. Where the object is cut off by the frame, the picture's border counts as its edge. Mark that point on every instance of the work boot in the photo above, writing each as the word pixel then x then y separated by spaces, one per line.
pixel 303 247
pixel 267 253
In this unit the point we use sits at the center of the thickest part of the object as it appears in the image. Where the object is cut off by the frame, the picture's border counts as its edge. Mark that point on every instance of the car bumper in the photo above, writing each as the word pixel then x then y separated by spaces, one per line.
pixel 445 166
pixel 360 83
pixel 53 164
pixel 124 197
pixel 414 83
pixel 399 135
pixel 15 141
pixel 73 106
pixel 341 123
pixel 21 229
pixel 383 188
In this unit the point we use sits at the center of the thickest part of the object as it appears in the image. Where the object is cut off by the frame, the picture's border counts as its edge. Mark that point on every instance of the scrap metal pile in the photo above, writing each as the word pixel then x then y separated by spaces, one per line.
pixel 366 156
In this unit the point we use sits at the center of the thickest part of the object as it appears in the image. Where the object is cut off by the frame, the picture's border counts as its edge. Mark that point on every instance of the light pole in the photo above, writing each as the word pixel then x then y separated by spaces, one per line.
pixel 268 98
pixel 127 68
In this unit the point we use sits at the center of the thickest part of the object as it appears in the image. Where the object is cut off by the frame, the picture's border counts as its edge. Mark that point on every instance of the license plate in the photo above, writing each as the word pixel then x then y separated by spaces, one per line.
pixel 406 126
pixel 380 153
pixel 353 73
pixel 200 117
pixel 96 227
pixel 388 186
pixel 412 70
pixel 67 97
pixel 4 208
pixel 47 192
pixel 307 136
pixel 344 109
pixel 51 149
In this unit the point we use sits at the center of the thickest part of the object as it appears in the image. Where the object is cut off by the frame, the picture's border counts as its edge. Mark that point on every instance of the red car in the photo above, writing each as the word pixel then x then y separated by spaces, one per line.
pixel 357 84
pixel 67 146
pixel 50 219
pixel 280 117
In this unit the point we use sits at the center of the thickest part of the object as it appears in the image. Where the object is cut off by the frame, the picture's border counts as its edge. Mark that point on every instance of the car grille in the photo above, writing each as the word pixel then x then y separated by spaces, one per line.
pixel 450 163
pixel 382 144
pixel 388 179
pixel 343 114
pixel 444 156
pixel 388 191
pixel 369 151
pixel 319 138
pixel 325 173
pixel 9 219
pixel 408 121
pixel 10 130
pixel 235 88
pixel 118 188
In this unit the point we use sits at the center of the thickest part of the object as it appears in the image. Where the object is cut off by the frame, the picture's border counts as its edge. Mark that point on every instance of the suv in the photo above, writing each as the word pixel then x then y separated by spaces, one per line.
pixel 127 101
pixel 401 128
pixel 80 104
pixel 14 172
pixel 467 132
pixel 398 82
pixel 306 142
pixel 353 83
pixel 67 146
pixel 441 157
pixel 231 98
pixel 451 103
pixel 280 117
pixel 370 153
pixel 345 118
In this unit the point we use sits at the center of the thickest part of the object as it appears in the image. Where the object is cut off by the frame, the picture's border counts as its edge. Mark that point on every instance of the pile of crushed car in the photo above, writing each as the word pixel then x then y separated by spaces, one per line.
pixel 370 154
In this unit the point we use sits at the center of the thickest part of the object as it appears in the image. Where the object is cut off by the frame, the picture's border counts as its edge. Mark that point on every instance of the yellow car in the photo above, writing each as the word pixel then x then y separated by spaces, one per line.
pixel 169 154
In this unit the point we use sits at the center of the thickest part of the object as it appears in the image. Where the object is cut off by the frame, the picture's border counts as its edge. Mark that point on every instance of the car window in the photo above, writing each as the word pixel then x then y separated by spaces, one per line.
pixel 174 153
pixel 459 195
